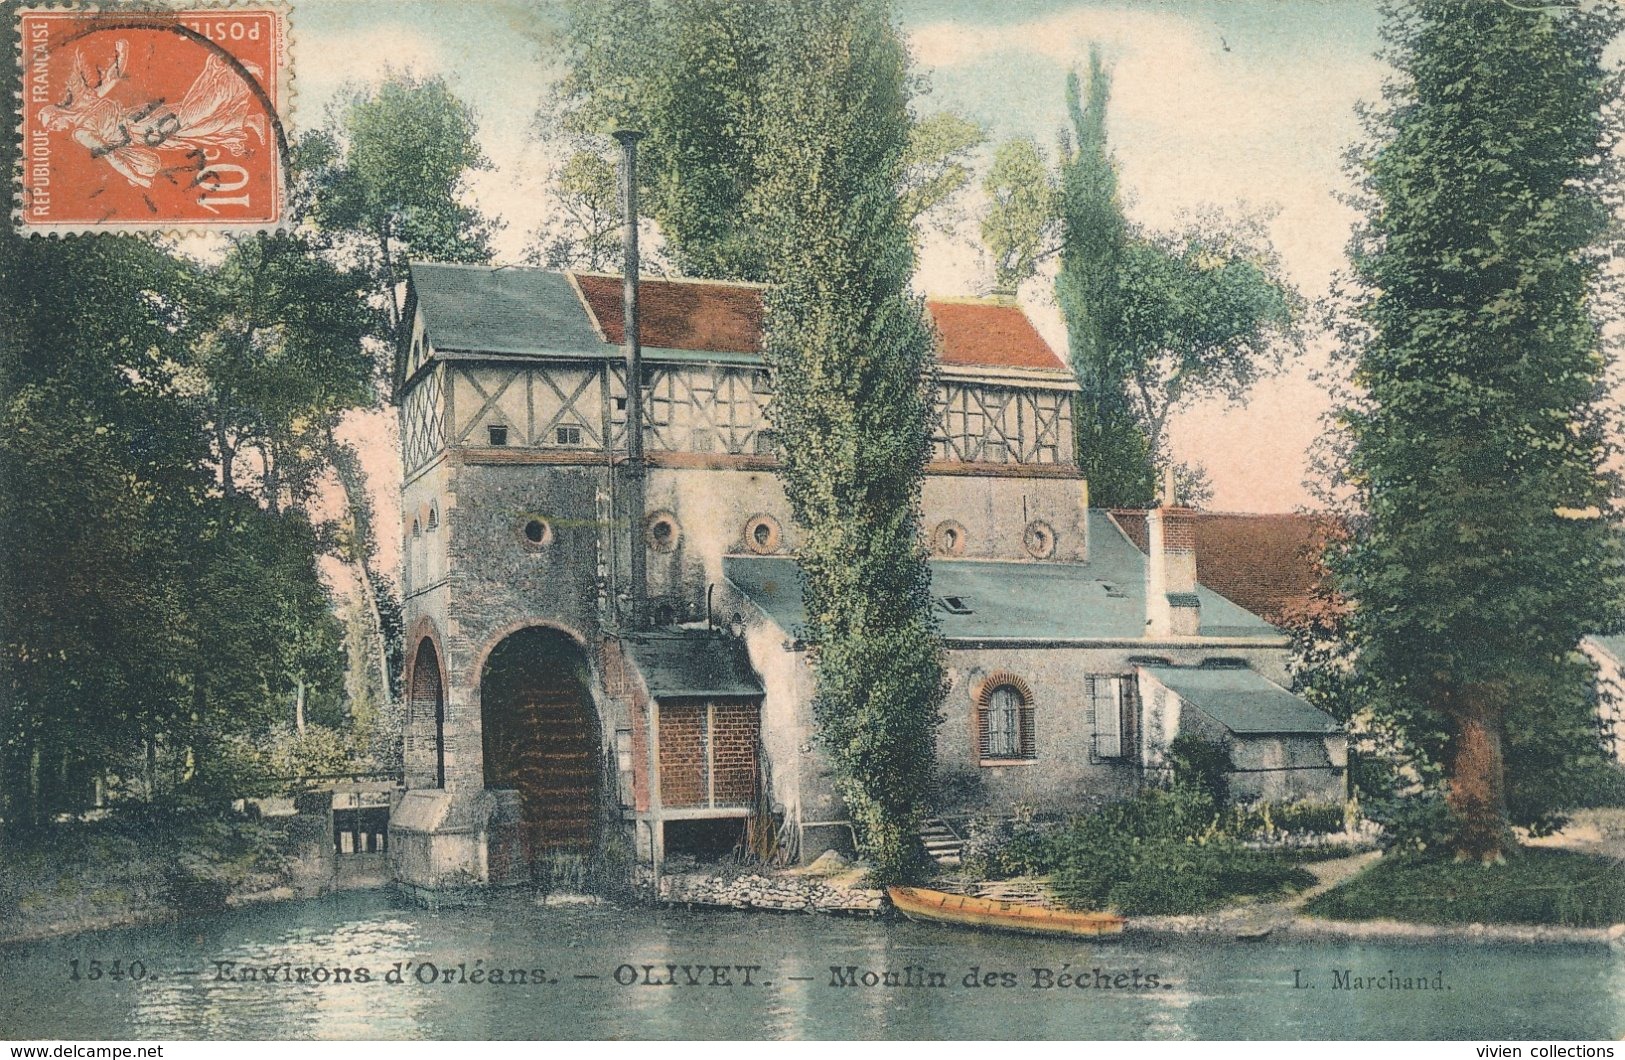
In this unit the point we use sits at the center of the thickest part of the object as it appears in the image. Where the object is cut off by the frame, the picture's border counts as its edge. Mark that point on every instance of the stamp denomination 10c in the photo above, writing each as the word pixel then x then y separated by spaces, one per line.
pixel 162 120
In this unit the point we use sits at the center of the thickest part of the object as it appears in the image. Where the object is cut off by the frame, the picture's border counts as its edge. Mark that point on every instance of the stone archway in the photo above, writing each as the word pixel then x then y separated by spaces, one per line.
pixel 540 737
pixel 426 710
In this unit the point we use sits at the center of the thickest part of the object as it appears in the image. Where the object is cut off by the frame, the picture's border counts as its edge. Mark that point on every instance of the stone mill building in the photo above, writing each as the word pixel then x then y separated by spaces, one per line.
pixel 603 636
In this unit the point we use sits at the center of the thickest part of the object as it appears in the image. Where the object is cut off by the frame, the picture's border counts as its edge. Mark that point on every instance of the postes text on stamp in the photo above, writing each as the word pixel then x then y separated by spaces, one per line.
pixel 143 120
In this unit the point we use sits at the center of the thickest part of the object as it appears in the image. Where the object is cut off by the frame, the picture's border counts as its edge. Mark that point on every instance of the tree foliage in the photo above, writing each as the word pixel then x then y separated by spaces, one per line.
pixel 1476 442
pixel 852 361
pixel 391 170
pixel 585 232
pixel 698 89
pixel 149 616
pixel 1155 320
pixel 1114 452
pixel 1021 225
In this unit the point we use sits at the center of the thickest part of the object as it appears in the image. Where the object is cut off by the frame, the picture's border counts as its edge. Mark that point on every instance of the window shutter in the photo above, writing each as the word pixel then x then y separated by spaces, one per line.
pixel 1108 717
pixel 1029 740
pixel 984 733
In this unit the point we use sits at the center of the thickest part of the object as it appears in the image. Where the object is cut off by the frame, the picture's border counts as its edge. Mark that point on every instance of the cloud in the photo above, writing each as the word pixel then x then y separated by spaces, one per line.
pixel 326 61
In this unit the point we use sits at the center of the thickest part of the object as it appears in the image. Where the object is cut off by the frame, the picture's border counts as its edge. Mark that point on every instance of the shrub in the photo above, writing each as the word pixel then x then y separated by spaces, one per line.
pixel 998 848
pixel 1161 853
pixel 1201 764
pixel 1266 819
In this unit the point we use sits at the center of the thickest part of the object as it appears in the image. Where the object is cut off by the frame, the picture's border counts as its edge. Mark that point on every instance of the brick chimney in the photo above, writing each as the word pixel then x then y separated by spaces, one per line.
pixel 1171 606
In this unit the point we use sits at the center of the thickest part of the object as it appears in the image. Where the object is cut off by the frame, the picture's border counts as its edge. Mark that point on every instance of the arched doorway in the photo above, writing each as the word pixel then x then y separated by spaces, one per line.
pixel 428 704
pixel 540 736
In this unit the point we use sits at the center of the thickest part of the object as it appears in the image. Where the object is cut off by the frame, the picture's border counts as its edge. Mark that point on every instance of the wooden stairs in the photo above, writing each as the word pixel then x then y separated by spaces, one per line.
pixel 942 842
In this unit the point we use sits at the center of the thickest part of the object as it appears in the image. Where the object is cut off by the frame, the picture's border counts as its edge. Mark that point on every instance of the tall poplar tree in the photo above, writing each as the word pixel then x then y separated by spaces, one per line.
pixel 1477 442
pixel 853 366
pixel 1113 449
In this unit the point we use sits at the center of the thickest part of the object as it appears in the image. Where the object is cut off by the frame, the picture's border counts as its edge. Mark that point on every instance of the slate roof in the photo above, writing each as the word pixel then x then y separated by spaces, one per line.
pixel 692 663
pixel 1265 563
pixel 515 310
pixel 1244 701
pixel 502 310
pixel 1103 599
pixel 1612 643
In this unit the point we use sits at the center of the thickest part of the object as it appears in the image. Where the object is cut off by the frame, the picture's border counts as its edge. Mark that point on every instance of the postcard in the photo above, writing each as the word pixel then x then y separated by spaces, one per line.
pixel 906 520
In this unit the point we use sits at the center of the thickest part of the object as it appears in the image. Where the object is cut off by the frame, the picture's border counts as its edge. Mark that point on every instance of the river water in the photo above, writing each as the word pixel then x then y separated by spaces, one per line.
pixel 600 971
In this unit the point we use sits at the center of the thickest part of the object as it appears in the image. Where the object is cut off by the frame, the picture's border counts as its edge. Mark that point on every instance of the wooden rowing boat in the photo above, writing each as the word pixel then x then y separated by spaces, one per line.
pixel 939 907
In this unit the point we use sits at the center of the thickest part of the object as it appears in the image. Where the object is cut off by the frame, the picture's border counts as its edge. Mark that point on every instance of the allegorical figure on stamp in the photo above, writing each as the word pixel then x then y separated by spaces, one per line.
pixel 218 112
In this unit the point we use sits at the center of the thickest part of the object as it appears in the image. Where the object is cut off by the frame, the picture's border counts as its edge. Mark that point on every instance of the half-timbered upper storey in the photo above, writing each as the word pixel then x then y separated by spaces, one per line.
pixel 529 359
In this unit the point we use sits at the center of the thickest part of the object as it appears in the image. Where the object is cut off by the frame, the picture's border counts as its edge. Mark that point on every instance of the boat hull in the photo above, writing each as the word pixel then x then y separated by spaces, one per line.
pixel 940 907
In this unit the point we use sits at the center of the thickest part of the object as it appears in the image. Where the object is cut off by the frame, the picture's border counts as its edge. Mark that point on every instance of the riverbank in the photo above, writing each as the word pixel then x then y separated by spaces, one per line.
pixel 152 868
pixel 99 879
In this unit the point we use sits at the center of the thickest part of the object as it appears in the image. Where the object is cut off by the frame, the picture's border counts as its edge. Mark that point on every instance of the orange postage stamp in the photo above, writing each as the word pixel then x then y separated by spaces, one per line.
pixel 137 120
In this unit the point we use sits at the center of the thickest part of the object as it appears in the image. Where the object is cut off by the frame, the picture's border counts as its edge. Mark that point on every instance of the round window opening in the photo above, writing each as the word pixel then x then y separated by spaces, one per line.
pixel 762 535
pixel 948 539
pixel 662 531
pixel 537 533
pixel 1039 539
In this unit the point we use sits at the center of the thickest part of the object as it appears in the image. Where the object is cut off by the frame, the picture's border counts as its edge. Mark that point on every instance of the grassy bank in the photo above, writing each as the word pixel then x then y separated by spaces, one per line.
pixel 1534 886
pixel 147 866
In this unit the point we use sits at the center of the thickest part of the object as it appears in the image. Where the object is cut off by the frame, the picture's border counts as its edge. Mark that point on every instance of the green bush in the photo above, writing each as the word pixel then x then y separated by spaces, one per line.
pixel 1202 764
pixel 1161 853
pixel 998 848
pixel 1265 818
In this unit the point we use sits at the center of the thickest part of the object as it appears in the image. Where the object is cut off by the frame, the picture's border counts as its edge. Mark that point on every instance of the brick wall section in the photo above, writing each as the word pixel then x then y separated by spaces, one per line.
pixel 618 683
pixel 1178 530
pixel 683 754
pixel 696 764
pixel 734 738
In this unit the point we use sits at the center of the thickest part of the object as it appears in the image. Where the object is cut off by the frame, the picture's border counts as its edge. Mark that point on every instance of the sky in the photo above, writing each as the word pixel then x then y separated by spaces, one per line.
pixel 1243 105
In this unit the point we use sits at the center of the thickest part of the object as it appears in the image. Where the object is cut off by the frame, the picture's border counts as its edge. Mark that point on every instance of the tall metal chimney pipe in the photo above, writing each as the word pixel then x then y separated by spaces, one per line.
pixel 638 590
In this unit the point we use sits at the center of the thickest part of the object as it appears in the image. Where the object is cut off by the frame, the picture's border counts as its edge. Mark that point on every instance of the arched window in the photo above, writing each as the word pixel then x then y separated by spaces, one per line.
pixel 434 517
pixel 1005 719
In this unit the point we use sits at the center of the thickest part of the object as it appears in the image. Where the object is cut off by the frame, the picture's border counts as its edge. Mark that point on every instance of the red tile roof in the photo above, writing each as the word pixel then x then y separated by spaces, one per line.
pixel 727 318
pixel 1269 564
pixel 720 317
pixel 987 334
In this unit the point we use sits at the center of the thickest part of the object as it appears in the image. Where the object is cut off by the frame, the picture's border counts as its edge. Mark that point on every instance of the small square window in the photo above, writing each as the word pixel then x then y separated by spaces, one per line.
pixel 620 404
pixel 498 434
pixel 568 435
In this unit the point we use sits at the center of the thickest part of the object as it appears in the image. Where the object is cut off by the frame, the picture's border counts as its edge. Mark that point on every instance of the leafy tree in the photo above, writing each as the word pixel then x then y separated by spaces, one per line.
pixel 1477 441
pixel 852 361
pixel 390 173
pixel 698 90
pixel 585 232
pixel 1203 313
pixel 1021 226
pixel 1154 320
pixel 936 166
pixel 1114 451
pixel 386 181
pixel 149 616
pixel 283 357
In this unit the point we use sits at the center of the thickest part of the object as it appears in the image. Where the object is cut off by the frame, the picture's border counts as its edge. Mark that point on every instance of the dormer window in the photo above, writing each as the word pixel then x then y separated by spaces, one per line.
pixel 955 605
pixel 498 433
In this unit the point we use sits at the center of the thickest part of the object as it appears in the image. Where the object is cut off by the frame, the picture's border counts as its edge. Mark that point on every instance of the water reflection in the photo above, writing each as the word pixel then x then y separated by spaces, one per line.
pixel 1245 990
